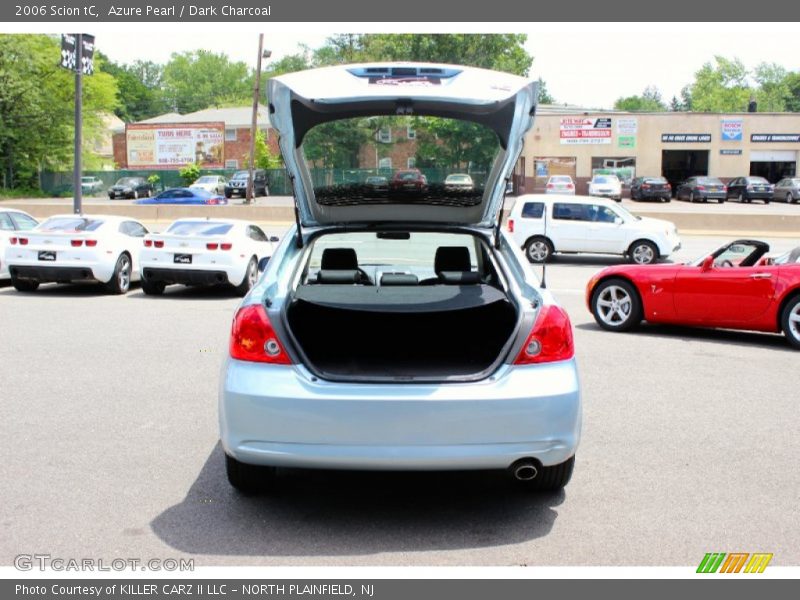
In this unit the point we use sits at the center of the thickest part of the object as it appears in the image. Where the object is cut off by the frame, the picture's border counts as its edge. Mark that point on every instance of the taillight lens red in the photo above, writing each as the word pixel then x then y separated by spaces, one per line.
pixel 669 187
pixel 570 186
pixel 646 186
pixel 550 186
pixel 212 246
pixel 76 243
pixel 148 243
pixel 253 338
pixel 702 188
pixel 158 243
pixel 91 243
pixel 225 246
pixel 12 241
pixel 511 225
pixel 23 241
pixel 550 339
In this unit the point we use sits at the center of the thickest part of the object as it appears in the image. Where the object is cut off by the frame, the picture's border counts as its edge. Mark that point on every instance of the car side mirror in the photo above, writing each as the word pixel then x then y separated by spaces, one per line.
pixel 262 264
pixel 708 262
pixel 618 221
pixel 274 238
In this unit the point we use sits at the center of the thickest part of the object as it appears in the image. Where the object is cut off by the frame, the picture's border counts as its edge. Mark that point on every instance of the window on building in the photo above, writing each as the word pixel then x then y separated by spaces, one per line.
pixel 232 164
pixel 230 135
pixel 385 135
pixel 624 167
pixel 411 163
pixel 385 163
pixel 411 133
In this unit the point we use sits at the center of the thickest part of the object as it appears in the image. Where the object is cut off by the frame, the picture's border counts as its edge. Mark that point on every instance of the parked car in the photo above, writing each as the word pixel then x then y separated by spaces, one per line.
pixel 402 335
pixel 701 189
pixel 543 225
pixel 787 189
pixel 606 186
pixel 747 189
pixel 67 248
pixel 214 184
pixel 560 184
pixel 204 252
pixel 649 188
pixel 131 187
pixel 377 185
pixel 12 221
pixel 91 185
pixel 237 185
pixel 459 182
pixel 731 288
pixel 408 181
pixel 185 196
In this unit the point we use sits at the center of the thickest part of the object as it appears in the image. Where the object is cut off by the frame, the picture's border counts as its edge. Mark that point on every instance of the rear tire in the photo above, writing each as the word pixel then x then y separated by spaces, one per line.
pixel 551 479
pixel 249 479
pixel 789 198
pixel 539 249
pixel 691 197
pixel 153 288
pixel 616 305
pixel 24 285
pixel 120 281
pixel 250 278
pixel 643 252
pixel 790 321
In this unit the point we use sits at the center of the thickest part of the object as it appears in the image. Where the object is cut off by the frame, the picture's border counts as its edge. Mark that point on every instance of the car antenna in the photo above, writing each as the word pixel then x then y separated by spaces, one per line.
pixel 544 262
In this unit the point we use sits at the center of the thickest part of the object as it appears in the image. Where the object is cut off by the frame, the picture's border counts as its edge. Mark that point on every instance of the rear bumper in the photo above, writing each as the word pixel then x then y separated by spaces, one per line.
pixel 185 276
pixel 282 416
pixel 47 274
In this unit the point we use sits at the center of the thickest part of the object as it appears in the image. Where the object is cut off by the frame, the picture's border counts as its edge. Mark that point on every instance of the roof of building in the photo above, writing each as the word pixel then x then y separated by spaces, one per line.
pixel 232 116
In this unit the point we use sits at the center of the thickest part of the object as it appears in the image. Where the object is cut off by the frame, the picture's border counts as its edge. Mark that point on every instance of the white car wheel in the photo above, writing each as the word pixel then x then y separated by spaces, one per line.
pixel 538 250
pixel 643 253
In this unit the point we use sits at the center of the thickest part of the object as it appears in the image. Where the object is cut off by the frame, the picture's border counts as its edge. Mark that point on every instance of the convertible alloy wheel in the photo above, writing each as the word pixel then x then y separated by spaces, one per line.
pixel 791 321
pixel 614 305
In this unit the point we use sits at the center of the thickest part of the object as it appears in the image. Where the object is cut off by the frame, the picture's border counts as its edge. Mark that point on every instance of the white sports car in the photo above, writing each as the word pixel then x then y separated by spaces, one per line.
pixel 12 221
pixel 205 252
pixel 67 248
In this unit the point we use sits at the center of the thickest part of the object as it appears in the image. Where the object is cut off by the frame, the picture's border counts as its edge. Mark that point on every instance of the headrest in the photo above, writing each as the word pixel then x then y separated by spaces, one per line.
pixel 399 279
pixel 342 276
pixel 451 258
pixel 459 277
pixel 339 258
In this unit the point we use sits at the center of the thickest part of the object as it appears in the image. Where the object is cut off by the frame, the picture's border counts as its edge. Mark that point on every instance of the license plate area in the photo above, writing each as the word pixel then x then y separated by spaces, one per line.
pixel 182 259
pixel 48 255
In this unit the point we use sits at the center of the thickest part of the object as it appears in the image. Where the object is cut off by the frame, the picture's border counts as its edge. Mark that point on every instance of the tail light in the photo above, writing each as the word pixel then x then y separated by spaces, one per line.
pixel 225 246
pixel 750 188
pixel 511 225
pixel 148 243
pixel 646 186
pixel 570 186
pixel 12 241
pixel 724 188
pixel 76 243
pixel 701 188
pixel 550 339
pixel 550 186
pixel 91 243
pixel 253 338
pixel 669 186
pixel 158 243
pixel 212 246
pixel 23 241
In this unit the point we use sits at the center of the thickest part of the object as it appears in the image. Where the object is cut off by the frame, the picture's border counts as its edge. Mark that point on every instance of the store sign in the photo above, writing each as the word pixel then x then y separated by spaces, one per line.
pixel 585 130
pixel 775 137
pixel 689 138
pixel 725 152
pixel 170 146
pixel 626 141
pixel 732 130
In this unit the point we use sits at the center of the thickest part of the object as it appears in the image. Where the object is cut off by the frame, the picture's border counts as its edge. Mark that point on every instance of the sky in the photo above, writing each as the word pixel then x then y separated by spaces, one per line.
pixel 586 64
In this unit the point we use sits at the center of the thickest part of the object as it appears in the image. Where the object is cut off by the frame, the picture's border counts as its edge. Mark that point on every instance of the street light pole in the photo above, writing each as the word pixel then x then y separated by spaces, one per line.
pixel 77 201
pixel 254 124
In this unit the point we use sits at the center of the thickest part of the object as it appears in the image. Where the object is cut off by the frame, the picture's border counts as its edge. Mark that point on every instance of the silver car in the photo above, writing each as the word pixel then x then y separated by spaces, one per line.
pixel 560 184
pixel 787 190
pixel 406 332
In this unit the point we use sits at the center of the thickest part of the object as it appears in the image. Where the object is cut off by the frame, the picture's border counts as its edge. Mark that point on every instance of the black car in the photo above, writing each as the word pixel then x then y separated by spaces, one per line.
pixel 747 189
pixel 651 188
pixel 237 185
pixel 131 187
pixel 701 189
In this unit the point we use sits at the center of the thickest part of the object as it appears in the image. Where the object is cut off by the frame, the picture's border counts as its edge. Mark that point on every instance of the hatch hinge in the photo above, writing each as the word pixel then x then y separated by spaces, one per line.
pixel 299 237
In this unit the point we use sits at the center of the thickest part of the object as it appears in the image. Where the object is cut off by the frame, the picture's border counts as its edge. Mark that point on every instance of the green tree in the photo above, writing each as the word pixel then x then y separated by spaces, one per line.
pixel 721 87
pixel 544 94
pixel 139 84
pixel 793 89
pixel 773 87
pixel 200 79
pixel 264 158
pixel 649 101
pixel 36 109
pixel 189 174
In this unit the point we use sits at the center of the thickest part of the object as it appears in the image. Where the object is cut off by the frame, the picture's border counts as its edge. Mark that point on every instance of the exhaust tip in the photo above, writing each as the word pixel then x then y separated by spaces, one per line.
pixel 525 469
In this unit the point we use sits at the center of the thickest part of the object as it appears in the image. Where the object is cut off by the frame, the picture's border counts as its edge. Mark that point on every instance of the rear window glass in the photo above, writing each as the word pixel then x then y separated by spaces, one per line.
pixel 756 180
pixel 561 179
pixel 605 179
pixel 533 210
pixel 342 156
pixel 707 180
pixel 655 180
pixel 199 228
pixel 70 224
pixel 128 181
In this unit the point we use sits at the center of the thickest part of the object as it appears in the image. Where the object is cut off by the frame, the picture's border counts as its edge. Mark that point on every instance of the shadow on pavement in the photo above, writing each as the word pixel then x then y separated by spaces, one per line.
pixel 333 513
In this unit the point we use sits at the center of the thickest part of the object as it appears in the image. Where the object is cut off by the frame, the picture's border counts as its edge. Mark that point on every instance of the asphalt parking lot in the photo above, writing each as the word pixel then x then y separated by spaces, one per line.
pixel 109 444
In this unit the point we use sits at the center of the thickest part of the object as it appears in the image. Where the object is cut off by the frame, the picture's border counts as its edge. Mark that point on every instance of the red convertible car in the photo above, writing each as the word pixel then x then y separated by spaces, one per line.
pixel 737 287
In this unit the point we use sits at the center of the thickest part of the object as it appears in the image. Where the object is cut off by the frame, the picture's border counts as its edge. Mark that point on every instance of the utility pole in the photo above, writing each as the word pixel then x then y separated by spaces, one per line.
pixel 77 202
pixel 254 124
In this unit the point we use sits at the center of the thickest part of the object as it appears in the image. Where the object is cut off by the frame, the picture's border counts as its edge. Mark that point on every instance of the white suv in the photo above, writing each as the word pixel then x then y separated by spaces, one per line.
pixel 542 225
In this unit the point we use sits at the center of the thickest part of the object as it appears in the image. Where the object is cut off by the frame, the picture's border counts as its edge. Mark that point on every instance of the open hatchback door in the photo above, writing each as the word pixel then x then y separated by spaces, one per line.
pixel 375 143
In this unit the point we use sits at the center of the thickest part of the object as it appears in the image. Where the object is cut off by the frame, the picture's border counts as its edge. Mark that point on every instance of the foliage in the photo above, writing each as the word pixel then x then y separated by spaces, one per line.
pixel 264 157
pixel 649 101
pixel 721 87
pixel 189 174
pixel 139 85
pixel 773 87
pixel 196 80
pixel 544 94
pixel 454 144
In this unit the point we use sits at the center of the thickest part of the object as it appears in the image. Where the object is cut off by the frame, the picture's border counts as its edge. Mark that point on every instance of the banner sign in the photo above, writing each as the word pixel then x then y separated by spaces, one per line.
pixel 585 130
pixel 725 152
pixel 69 55
pixel 692 138
pixel 170 146
pixel 775 137
pixel 732 130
